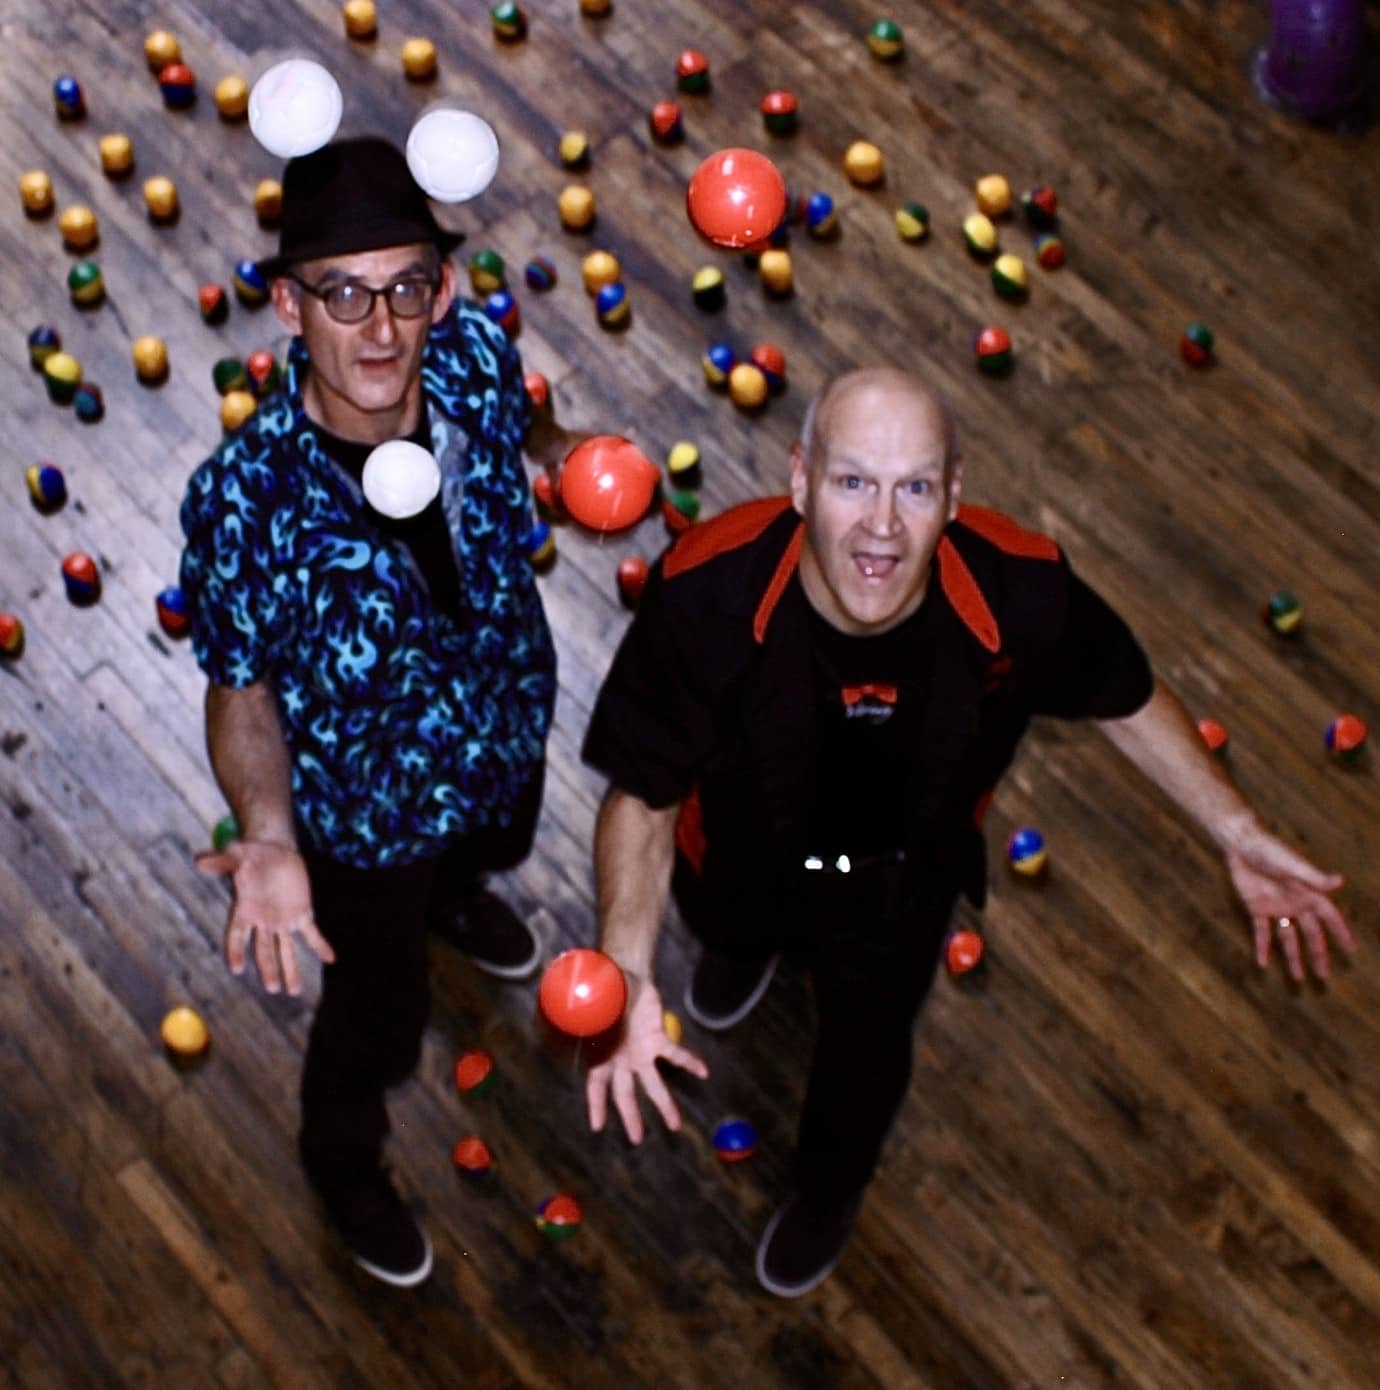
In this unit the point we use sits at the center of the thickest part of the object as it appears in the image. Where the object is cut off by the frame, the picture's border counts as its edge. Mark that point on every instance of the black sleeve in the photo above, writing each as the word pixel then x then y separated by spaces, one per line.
pixel 1096 668
pixel 652 728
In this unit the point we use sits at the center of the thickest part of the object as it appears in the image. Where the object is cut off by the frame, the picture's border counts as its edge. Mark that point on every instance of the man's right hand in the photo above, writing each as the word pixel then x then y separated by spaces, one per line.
pixel 644 1042
pixel 272 904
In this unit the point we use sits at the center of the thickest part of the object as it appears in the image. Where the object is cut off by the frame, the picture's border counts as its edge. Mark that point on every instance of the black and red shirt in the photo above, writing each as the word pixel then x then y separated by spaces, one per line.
pixel 782 737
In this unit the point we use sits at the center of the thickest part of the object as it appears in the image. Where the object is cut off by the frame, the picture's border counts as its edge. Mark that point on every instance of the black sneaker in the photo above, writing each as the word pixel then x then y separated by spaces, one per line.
pixel 804 1241
pixel 724 990
pixel 493 936
pixel 381 1234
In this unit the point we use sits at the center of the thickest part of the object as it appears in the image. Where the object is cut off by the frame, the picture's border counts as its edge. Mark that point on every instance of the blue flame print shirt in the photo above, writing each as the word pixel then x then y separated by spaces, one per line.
pixel 405 726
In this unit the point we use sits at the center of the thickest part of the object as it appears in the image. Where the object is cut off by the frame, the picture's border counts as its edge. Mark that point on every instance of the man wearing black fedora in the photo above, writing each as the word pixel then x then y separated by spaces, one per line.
pixel 380 687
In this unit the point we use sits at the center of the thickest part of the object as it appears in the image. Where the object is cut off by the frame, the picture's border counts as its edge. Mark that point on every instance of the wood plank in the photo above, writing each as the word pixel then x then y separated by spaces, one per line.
pixel 280 1359
pixel 1131 1160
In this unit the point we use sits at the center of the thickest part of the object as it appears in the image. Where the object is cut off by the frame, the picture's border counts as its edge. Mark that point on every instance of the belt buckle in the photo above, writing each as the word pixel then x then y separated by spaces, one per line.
pixel 844 864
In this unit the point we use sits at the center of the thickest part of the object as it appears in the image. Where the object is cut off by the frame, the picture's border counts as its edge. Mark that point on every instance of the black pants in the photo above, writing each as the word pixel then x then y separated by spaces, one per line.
pixel 375 997
pixel 871 940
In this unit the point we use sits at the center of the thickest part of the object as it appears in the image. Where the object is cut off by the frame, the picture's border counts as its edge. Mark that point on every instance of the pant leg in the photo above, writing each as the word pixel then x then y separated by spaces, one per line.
pixel 375 998
pixel 747 918
pixel 461 869
pixel 872 944
pixel 872 968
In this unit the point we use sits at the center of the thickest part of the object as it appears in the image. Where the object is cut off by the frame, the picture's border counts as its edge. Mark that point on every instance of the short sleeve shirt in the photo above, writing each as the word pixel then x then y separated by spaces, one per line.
pixel 426 534
pixel 868 690
pixel 691 700
pixel 405 725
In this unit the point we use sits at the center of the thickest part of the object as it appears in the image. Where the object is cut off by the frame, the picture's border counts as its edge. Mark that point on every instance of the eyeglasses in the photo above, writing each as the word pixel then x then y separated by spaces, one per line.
pixel 352 301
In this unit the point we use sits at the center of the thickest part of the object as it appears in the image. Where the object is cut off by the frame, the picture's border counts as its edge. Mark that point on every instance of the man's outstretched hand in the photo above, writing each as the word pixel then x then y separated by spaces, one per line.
pixel 272 905
pixel 1286 894
pixel 634 1062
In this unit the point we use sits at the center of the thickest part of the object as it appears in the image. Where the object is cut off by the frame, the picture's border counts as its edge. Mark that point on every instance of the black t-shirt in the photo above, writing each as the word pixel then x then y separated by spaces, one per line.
pixel 870 693
pixel 426 535
pixel 1096 670
pixel 725 684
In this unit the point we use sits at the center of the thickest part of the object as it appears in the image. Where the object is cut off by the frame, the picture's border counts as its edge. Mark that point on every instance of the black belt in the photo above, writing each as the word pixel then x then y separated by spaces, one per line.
pixel 851 864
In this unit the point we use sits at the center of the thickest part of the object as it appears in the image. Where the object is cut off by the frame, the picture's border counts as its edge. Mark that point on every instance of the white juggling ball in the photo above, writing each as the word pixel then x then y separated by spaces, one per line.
pixel 452 154
pixel 295 108
pixel 400 479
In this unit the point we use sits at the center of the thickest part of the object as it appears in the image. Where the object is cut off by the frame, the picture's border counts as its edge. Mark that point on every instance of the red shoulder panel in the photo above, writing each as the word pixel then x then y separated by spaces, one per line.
pixel 727 531
pixel 1006 535
pixel 690 839
pixel 785 568
pixel 966 599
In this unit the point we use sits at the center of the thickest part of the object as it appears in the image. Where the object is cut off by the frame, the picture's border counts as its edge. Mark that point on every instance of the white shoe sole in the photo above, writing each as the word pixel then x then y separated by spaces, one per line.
pixel 407 1280
pixel 523 971
pixel 791 1290
pixel 718 1025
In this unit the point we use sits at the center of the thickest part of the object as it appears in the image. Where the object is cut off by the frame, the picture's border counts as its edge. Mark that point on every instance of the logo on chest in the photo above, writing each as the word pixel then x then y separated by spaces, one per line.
pixel 998 673
pixel 873 701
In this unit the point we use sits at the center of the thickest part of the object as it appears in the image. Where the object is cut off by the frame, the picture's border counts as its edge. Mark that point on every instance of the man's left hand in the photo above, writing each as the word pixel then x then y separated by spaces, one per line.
pixel 1286 894
pixel 633 1063
pixel 549 444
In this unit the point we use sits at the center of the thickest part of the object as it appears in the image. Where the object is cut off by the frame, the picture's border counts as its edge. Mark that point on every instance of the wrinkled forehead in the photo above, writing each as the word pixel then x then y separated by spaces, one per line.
pixel 371 265
pixel 875 424
pixel 902 464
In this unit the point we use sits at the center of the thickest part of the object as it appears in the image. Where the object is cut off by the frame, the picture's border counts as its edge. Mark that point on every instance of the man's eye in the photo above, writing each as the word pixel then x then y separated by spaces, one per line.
pixel 919 487
pixel 851 481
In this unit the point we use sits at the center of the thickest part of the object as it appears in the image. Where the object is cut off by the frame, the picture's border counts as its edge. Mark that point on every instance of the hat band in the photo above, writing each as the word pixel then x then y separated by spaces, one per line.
pixel 354 241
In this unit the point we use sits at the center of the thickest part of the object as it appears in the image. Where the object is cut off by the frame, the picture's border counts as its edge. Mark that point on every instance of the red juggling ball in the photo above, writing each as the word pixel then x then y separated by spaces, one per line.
pixel 607 483
pixel 736 198
pixel 582 992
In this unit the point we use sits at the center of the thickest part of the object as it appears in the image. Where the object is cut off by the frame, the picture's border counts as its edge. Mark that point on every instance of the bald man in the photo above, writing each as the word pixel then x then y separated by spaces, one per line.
pixel 802 729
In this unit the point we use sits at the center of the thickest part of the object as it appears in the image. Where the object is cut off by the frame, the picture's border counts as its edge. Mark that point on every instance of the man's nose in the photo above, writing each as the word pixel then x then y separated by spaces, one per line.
pixel 379 326
pixel 882 517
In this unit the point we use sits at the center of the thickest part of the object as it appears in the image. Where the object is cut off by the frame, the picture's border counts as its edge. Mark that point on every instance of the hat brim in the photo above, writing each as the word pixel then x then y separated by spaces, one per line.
pixel 272 267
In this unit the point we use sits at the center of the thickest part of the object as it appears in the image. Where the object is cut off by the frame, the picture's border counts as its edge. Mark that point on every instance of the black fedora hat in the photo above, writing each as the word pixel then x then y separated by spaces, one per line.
pixel 351 196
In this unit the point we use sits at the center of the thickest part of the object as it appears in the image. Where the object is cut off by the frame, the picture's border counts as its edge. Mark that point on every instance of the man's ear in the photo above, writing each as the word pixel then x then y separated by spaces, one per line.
pixel 955 484
pixel 800 477
pixel 445 293
pixel 287 304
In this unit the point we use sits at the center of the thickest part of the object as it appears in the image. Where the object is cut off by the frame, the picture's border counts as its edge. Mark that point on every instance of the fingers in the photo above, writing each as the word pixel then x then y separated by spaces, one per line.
pixel 275 946
pixel 684 1058
pixel 275 952
pixel 1335 923
pixel 597 1097
pixel 1289 944
pixel 318 943
pixel 1313 876
pixel 266 958
pixel 236 938
pixel 1316 940
pixel 1303 926
pixel 1278 859
pixel 1264 939
pixel 660 1097
pixel 622 1074
pixel 287 958
pixel 214 863
pixel 625 1102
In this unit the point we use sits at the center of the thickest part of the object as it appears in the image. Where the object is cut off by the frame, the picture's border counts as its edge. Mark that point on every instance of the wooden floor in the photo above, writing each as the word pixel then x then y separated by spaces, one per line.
pixel 1132 1160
